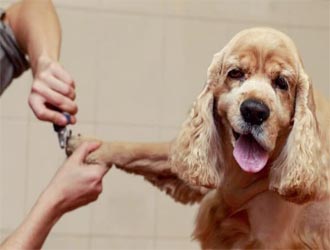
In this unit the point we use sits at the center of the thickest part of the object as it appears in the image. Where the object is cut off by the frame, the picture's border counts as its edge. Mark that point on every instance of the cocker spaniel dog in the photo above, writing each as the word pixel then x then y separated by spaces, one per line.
pixel 254 151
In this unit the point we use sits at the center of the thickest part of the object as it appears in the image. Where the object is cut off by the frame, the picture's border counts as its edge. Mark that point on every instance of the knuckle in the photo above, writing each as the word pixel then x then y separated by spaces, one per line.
pixel 71 93
pixel 59 101
pixel 74 108
pixel 67 90
pixel 70 80
pixel 96 177
pixel 43 76
pixel 30 101
pixel 35 88
pixel 41 114
pixel 99 188
pixel 53 66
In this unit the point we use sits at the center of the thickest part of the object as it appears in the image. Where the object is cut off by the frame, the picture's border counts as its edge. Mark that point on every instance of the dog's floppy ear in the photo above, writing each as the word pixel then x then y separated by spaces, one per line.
pixel 301 173
pixel 195 152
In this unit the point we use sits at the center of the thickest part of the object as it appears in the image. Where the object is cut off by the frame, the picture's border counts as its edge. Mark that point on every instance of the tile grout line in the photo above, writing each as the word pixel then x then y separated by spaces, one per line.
pixel 156 195
pixel 29 122
pixel 193 18
pixel 98 235
pixel 27 165
pixel 91 216
pixel 94 124
pixel 88 122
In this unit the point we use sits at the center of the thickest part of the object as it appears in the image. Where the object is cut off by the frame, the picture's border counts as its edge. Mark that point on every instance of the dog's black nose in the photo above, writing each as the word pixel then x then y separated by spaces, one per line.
pixel 254 112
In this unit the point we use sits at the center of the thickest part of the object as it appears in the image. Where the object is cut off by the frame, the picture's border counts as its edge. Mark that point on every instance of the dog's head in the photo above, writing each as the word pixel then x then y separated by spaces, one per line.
pixel 257 107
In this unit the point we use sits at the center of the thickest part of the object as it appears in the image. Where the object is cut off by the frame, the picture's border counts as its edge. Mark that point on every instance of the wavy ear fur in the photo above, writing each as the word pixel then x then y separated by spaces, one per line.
pixel 195 152
pixel 301 173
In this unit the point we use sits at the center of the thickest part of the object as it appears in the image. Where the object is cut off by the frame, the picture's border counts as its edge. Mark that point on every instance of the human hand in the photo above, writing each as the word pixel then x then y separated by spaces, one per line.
pixel 52 87
pixel 76 183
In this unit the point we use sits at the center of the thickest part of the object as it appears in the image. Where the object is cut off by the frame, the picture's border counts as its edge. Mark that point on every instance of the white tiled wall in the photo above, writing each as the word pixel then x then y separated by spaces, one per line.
pixel 138 65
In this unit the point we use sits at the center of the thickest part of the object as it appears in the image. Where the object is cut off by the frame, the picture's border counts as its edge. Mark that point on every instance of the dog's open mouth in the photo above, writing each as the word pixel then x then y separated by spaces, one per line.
pixel 249 154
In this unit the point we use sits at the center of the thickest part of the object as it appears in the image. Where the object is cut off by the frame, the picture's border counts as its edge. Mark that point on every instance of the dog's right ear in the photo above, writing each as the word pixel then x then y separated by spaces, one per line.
pixel 196 151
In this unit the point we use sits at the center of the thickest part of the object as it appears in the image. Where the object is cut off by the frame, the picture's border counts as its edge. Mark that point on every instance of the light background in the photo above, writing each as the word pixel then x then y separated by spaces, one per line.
pixel 138 66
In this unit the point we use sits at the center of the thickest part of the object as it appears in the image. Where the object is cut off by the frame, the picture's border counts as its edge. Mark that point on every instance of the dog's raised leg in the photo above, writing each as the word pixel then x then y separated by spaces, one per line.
pixel 131 155
pixel 150 160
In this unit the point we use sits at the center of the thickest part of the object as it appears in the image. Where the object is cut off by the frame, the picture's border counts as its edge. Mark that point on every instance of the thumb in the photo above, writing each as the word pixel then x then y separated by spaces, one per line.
pixel 84 150
pixel 101 168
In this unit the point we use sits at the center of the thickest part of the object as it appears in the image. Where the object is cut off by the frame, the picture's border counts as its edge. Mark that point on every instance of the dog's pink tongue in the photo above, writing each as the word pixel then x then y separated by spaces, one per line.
pixel 250 156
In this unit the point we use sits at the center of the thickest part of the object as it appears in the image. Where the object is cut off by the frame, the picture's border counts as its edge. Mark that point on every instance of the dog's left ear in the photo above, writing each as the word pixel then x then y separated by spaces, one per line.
pixel 301 173
pixel 196 151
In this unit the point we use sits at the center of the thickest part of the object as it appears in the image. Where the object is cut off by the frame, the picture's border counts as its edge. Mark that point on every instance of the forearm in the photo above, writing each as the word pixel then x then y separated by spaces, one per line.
pixel 34 230
pixel 36 28
pixel 74 185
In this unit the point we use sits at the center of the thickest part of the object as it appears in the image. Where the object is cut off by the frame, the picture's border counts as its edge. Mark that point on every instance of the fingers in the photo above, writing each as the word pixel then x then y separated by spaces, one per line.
pixel 56 78
pixel 44 113
pixel 54 86
pixel 62 75
pixel 84 150
pixel 61 87
pixel 55 99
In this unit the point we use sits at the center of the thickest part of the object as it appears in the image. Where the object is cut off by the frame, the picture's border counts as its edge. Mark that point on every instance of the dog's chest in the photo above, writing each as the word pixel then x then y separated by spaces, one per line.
pixel 271 218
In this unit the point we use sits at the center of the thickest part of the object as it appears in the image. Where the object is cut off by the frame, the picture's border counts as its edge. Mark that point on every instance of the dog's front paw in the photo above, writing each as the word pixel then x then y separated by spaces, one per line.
pixel 75 141
pixel 72 144
pixel 99 156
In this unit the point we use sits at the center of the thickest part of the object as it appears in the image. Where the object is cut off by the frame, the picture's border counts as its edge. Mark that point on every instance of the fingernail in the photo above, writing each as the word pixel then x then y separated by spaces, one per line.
pixel 73 120
pixel 96 144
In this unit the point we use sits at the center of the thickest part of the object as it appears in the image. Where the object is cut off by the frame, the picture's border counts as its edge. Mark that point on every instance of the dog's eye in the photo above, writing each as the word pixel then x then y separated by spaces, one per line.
pixel 281 83
pixel 236 74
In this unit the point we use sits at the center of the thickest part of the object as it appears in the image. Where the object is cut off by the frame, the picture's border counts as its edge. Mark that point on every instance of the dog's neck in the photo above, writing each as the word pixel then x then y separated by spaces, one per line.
pixel 238 186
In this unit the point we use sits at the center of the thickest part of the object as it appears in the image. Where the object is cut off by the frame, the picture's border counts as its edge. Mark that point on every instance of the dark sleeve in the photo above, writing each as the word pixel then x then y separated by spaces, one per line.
pixel 13 61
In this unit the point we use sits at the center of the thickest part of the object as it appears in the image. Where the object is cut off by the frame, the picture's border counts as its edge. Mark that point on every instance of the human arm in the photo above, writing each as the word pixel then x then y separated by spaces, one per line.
pixel 37 30
pixel 74 185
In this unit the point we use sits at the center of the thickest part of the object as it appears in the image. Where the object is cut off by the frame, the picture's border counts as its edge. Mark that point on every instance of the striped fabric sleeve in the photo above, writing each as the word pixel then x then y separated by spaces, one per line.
pixel 13 61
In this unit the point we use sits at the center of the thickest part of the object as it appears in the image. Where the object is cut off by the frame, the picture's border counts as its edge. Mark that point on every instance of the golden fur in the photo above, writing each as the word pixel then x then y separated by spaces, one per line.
pixel 285 205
